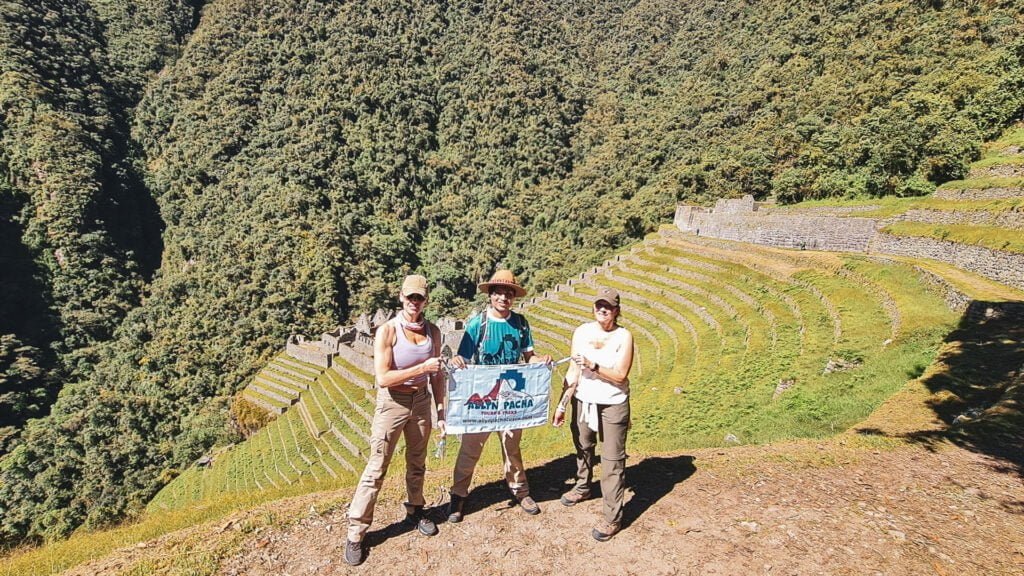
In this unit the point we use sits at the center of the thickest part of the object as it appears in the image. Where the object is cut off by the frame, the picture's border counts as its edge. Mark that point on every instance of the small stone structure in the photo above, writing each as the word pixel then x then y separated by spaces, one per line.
pixel 451 335
pixel 354 343
pixel 743 221
pixel 300 348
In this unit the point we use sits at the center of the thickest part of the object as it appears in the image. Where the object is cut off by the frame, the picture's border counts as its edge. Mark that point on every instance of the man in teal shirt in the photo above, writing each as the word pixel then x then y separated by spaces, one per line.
pixel 496 336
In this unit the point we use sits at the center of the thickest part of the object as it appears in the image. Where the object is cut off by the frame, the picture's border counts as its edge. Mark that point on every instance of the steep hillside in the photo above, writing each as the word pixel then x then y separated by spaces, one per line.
pixel 304 156
pixel 736 345
pixel 850 334
pixel 80 230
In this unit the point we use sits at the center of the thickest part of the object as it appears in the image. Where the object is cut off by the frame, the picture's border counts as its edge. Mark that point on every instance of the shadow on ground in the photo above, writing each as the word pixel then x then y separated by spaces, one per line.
pixel 978 385
pixel 649 479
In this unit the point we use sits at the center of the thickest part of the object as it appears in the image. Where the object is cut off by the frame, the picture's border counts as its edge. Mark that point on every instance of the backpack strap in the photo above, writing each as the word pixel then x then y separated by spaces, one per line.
pixel 483 337
pixel 520 327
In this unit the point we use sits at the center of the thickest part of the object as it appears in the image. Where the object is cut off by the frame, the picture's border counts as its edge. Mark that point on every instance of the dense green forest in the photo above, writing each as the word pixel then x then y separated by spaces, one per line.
pixel 80 231
pixel 185 185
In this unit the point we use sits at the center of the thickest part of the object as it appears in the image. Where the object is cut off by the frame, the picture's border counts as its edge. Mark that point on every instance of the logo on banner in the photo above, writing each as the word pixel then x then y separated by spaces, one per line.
pixel 492 398
pixel 508 393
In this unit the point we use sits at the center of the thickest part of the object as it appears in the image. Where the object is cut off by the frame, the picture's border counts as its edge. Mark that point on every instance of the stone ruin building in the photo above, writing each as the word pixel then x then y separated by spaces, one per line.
pixel 355 343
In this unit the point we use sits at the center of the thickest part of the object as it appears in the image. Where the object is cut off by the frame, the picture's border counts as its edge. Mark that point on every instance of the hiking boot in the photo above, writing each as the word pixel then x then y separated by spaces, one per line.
pixel 455 508
pixel 572 498
pixel 529 506
pixel 354 554
pixel 415 516
pixel 604 531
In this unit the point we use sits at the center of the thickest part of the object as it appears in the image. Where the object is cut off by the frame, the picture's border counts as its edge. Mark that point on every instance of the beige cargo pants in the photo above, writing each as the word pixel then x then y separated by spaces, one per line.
pixel 396 414
pixel 469 454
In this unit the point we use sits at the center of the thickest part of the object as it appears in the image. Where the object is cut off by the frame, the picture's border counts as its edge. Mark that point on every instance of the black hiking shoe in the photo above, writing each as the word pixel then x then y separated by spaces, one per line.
pixel 354 554
pixel 415 516
pixel 455 508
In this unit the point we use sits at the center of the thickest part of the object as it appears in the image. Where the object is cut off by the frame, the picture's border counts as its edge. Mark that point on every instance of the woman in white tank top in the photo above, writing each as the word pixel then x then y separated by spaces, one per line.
pixel 598 386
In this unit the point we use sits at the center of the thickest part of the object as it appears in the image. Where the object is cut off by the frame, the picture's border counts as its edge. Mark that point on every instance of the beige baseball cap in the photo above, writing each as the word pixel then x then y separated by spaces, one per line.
pixel 415 284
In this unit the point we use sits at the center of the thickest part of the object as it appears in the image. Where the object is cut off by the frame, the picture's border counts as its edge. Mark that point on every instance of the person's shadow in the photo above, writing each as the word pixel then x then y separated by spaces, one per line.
pixel 651 479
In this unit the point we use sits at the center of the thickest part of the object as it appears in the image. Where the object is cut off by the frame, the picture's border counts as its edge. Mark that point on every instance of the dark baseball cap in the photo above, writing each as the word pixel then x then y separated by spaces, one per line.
pixel 609 295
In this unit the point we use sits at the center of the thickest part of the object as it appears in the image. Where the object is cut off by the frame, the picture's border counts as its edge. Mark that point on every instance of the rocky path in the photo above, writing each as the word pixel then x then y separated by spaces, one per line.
pixel 793 509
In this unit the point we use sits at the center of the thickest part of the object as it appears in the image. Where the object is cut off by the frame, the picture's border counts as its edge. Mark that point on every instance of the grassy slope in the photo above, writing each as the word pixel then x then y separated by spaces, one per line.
pixel 726 376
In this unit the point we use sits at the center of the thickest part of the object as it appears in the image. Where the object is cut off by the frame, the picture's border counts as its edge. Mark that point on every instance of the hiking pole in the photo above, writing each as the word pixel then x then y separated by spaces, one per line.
pixel 447 369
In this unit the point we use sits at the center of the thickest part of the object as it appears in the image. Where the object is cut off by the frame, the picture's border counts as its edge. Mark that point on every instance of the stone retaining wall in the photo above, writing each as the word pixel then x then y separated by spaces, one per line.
pixel 1014 220
pixel 998 171
pixel 978 193
pixel 955 299
pixel 856 234
pixel 361 361
pixel 815 210
pixel 1004 267
pixel 803 232
pixel 298 348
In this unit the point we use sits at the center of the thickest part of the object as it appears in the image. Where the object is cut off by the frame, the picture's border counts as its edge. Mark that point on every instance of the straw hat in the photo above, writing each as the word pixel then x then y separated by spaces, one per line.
pixel 502 278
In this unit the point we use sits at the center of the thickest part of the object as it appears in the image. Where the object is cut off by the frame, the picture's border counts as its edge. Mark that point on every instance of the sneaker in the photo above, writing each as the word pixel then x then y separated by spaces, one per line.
pixel 455 508
pixel 354 554
pixel 572 498
pixel 604 531
pixel 418 518
pixel 529 505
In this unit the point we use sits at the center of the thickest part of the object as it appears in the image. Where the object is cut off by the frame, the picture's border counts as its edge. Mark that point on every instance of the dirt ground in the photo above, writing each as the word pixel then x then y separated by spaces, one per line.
pixel 789 509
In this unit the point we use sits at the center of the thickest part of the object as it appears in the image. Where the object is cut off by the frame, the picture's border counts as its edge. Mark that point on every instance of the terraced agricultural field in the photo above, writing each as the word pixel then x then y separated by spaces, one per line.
pixel 752 330
pixel 319 440
pixel 735 343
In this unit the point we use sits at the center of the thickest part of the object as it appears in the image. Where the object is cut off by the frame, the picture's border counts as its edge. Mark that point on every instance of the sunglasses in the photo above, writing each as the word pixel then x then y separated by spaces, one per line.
pixel 601 304
pixel 415 298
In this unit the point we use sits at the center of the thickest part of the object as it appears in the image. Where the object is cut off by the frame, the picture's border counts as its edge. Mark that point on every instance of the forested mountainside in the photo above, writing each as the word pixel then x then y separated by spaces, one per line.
pixel 164 231
pixel 80 231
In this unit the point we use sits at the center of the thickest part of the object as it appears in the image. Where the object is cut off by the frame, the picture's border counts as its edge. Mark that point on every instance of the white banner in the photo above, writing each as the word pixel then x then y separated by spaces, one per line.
pixel 490 398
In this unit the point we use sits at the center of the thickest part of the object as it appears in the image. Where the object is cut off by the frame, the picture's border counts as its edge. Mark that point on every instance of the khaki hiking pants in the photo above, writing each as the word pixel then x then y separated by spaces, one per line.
pixel 612 427
pixel 469 454
pixel 396 414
